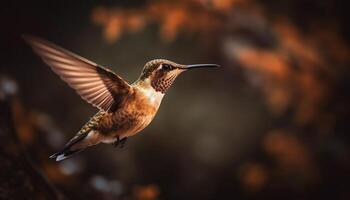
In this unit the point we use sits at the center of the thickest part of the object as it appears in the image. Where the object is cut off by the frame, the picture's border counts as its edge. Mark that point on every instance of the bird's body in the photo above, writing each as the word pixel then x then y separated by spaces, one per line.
pixel 124 109
pixel 136 113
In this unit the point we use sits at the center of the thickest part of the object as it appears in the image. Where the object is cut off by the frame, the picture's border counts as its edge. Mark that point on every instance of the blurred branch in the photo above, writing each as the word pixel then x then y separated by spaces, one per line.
pixel 20 178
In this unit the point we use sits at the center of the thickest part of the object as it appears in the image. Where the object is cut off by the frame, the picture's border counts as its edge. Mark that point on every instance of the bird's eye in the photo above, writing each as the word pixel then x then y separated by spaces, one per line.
pixel 166 67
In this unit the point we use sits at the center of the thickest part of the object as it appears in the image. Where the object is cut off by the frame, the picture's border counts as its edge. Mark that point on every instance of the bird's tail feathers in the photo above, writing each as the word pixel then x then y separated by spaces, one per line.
pixel 64 154
pixel 70 148
pixel 87 136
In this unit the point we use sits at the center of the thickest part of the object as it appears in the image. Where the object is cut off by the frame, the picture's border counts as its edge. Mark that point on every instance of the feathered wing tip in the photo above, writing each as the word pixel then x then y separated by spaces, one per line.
pixel 96 84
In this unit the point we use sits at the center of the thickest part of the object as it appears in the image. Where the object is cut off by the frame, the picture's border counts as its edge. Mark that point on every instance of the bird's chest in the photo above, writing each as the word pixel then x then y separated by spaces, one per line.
pixel 142 113
pixel 130 119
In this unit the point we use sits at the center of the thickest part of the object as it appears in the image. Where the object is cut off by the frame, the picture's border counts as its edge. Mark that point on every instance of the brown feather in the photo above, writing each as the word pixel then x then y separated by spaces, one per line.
pixel 95 84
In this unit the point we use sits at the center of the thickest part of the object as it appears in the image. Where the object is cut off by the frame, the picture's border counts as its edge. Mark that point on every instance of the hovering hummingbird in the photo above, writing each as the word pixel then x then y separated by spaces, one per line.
pixel 124 109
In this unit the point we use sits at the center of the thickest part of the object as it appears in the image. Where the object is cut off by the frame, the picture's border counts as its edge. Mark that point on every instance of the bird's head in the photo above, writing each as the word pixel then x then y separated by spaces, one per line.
pixel 161 73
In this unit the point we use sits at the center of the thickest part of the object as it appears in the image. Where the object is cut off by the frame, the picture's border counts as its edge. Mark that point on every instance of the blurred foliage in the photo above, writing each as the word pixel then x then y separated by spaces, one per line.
pixel 272 124
pixel 296 69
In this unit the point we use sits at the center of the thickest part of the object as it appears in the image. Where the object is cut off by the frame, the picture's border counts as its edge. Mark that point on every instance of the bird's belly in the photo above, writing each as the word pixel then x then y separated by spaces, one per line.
pixel 130 119
pixel 139 126
pixel 145 122
pixel 125 126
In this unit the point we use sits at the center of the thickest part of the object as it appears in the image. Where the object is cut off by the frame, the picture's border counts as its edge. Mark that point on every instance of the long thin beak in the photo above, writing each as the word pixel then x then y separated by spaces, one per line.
pixel 202 66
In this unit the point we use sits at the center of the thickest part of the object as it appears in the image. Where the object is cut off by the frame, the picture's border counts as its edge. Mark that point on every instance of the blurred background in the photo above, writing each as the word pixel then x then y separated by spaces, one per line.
pixel 271 123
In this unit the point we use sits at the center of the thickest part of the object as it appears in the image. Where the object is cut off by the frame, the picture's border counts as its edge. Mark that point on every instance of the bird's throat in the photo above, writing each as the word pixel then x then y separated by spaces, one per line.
pixel 154 97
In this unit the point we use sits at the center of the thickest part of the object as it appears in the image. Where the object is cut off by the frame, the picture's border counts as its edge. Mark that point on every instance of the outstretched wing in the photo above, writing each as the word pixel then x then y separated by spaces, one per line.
pixel 95 84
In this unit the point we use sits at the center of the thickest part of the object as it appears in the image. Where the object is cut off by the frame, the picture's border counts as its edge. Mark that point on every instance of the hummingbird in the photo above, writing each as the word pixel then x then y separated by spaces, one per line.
pixel 124 109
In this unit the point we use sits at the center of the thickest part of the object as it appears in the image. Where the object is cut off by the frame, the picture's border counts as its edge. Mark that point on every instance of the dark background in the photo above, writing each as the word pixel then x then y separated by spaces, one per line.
pixel 271 123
